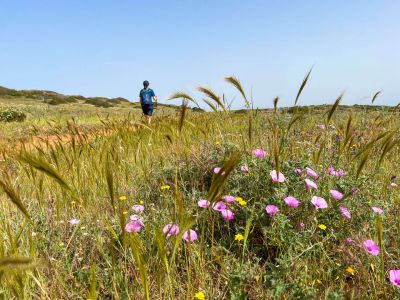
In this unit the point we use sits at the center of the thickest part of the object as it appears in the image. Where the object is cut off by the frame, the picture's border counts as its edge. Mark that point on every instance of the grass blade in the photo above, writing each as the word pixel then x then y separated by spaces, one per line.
pixel 303 84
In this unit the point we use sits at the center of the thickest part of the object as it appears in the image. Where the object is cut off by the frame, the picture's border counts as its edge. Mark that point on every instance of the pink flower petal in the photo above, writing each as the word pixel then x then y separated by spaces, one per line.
pixel 310 184
pixel 171 229
pixel 336 194
pixel 134 226
pixel 371 247
pixel 245 168
pixel 203 203
pixel 227 214
pixel 377 210
pixel 259 153
pixel 319 202
pixel 345 212
pixel 190 236
pixel 291 201
pixel 228 198
pixel 219 206
pixel 275 177
pixel 217 170
pixel 394 276
pixel 271 210
pixel 310 172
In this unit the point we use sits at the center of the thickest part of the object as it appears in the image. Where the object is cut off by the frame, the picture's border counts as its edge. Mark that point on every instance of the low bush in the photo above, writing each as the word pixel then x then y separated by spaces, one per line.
pixel 99 102
pixel 11 115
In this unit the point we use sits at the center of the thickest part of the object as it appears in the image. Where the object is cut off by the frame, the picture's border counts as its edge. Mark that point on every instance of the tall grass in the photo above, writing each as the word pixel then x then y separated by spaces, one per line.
pixel 84 177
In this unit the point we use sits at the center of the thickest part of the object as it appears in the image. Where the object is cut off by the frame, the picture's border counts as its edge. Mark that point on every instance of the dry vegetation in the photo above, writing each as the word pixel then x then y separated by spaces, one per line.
pixel 66 204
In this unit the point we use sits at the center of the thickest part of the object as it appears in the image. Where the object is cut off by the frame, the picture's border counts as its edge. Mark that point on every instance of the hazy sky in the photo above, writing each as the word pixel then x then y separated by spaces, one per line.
pixel 107 48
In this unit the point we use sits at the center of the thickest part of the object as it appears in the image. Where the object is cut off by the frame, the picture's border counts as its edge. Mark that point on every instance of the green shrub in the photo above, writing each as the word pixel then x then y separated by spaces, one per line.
pixel 65 100
pixel 10 115
pixel 99 102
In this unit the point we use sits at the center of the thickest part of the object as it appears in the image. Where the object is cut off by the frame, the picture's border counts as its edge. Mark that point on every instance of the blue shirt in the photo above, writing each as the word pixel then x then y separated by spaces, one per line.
pixel 146 96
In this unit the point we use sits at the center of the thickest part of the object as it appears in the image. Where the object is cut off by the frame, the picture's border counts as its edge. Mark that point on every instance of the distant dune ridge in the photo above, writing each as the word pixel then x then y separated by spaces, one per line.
pixel 55 98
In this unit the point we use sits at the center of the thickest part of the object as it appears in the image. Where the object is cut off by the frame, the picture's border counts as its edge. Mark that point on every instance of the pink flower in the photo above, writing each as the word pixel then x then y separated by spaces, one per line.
pixel 138 208
pixel 203 203
pixel 134 226
pixel 271 210
pixel 377 210
pixel 171 229
pixel 298 171
pixel 227 214
pixel 217 170
pixel 321 126
pixel 395 277
pixel 302 226
pixel 228 198
pixel 336 194
pixel 393 184
pixel 190 236
pixel 349 240
pixel 331 171
pixel 219 206
pixel 345 212
pixel 319 202
pixel 259 153
pixel 311 173
pixel 244 168
pixel 310 184
pixel 275 177
pixel 73 222
pixel 291 201
pixel 339 173
pixel 371 247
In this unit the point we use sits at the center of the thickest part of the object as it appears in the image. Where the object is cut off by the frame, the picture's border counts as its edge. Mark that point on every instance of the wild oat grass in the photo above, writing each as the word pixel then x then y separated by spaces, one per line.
pixel 299 253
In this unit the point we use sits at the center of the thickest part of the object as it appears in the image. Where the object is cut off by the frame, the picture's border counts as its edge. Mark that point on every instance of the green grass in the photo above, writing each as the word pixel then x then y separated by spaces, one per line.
pixel 45 257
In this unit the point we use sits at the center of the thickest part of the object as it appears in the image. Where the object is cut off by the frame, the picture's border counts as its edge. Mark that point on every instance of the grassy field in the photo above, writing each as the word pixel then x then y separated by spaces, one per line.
pixel 44 119
pixel 143 212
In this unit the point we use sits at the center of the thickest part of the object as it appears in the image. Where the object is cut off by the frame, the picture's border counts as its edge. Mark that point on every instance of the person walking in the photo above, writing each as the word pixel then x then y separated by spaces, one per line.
pixel 147 96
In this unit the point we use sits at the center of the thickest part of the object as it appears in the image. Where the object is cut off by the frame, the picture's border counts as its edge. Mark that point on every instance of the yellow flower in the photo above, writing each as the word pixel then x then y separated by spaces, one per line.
pixel 217 142
pixel 319 281
pixel 239 237
pixel 240 201
pixel 199 295
pixel 122 198
pixel 350 270
pixel 257 278
pixel 322 226
pixel 165 187
pixel 141 202
pixel 124 212
pixel 73 202
pixel 61 244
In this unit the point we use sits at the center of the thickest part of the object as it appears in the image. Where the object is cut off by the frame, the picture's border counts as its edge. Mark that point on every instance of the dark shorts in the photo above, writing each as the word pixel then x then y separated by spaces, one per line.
pixel 148 109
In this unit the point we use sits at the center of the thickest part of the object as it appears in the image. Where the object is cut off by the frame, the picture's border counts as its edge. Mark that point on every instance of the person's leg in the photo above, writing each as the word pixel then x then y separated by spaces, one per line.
pixel 150 113
pixel 145 109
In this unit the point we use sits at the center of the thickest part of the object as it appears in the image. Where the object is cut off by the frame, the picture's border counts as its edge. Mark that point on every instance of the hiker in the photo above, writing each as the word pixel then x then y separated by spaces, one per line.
pixel 147 96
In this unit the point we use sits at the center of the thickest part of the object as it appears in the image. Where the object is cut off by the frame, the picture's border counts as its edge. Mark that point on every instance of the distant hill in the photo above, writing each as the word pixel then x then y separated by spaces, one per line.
pixel 54 98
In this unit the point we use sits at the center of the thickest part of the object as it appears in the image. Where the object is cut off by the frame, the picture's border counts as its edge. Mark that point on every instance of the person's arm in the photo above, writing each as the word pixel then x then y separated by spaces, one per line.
pixel 140 98
pixel 154 97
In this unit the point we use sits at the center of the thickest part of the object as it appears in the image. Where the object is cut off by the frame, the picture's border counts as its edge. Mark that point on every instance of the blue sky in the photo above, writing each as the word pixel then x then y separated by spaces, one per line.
pixel 107 48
